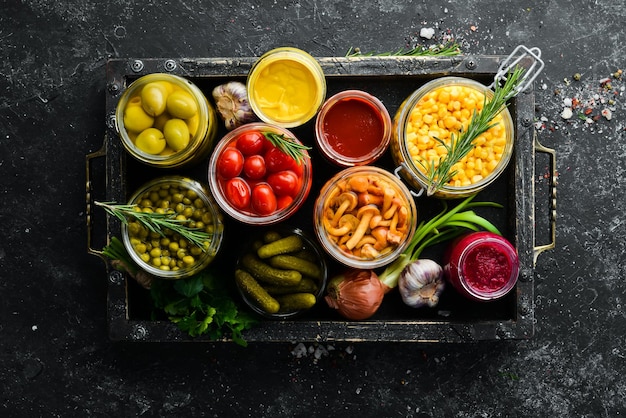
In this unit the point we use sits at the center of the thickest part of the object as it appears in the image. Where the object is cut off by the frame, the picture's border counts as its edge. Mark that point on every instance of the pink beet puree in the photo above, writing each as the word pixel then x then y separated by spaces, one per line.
pixel 486 268
pixel 482 266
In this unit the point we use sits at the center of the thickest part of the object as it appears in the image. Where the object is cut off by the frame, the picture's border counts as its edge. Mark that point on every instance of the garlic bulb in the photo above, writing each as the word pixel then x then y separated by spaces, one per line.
pixel 421 283
pixel 231 100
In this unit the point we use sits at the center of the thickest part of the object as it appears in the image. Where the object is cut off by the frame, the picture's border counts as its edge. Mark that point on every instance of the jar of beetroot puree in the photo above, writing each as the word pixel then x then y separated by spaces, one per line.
pixel 481 266
pixel 353 128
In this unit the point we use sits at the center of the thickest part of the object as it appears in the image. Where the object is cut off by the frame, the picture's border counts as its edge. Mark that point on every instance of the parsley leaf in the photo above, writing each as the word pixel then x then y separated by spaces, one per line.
pixel 202 304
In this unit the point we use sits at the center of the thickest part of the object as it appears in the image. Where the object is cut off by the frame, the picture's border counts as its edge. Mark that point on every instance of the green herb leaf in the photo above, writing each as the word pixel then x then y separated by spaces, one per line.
pixel 189 287
pixel 202 305
pixel 158 222
pixel 288 145
pixel 441 50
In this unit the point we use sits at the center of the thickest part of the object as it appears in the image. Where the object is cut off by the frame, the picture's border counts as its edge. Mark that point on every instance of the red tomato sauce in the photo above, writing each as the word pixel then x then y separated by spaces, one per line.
pixel 486 268
pixel 353 128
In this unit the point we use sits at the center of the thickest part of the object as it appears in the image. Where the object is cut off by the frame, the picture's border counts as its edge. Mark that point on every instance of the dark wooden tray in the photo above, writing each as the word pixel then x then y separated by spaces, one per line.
pixel 113 175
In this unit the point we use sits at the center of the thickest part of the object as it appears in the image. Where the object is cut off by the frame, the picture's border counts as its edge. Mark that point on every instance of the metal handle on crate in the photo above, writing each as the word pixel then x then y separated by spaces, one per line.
pixel 97 154
pixel 541 248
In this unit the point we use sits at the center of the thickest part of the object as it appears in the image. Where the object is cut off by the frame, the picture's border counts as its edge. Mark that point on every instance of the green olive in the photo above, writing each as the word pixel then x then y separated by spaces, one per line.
pixel 176 134
pixel 193 123
pixel 181 104
pixel 136 119
pixel 159 121
pixel 151 141
pixel 154 98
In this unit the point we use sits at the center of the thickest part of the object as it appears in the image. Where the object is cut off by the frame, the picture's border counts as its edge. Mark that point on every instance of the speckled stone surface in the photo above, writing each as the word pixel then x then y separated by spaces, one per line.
pixel 55 355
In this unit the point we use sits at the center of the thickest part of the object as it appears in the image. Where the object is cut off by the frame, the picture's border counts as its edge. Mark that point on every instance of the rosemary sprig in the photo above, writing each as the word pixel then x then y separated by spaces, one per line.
pixel 288 145
pixel 442 50
pixel 158 222
pixel 461 144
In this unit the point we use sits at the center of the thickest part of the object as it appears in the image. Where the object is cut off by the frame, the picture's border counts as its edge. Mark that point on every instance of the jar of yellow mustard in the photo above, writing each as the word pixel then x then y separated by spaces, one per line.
pixel 286 87
pixel 164 120
pixel 439 111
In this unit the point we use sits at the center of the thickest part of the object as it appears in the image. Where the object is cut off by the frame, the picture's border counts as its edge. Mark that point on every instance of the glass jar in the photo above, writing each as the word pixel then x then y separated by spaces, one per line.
pixel 170 117
pixel 286 87
pixel 364 217
pixel 353 128
pixel 312 282
pixel 235 192
pixel 481 266
pixel 166 256
pixel 428 114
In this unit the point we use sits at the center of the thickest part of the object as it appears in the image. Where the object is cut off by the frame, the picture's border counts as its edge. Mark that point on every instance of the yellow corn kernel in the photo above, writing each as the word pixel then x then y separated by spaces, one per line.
pixel 469 103
pixel 444 96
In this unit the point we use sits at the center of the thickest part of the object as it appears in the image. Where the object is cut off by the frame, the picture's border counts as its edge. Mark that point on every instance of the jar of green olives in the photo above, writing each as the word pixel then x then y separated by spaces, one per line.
pixel 180 251
pixel 164 120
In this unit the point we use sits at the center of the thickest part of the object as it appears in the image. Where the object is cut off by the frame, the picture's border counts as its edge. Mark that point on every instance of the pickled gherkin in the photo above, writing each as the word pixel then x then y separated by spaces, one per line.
pixel 282 272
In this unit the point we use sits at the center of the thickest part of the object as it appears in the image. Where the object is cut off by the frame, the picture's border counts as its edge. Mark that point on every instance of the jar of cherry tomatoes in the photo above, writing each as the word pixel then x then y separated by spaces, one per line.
pixel 260 174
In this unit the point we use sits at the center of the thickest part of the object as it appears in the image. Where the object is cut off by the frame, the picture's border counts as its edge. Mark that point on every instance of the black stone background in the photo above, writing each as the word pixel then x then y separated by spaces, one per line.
pixel 55 356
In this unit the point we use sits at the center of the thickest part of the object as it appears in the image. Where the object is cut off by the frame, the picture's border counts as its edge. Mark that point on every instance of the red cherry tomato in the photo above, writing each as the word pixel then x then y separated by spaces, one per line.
pixel 237 193
pixel 276 160
pixel 254 167
pixel 230 163
pixel 263 199
pixel 283 201
pixel 298 168
pixel 284 183
pixel 251 142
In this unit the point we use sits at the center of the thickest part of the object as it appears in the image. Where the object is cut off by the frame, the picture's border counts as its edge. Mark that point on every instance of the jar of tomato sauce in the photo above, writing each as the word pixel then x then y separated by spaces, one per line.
pixel 481 266
pixel 353 128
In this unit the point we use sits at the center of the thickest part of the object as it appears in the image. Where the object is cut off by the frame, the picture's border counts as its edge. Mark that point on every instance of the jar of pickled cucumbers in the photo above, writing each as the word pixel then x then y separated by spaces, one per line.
pixel 164 120
pixel 439 111
pixel 168 253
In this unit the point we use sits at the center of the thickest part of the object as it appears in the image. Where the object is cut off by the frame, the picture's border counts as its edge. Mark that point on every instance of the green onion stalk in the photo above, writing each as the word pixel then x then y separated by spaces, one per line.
pixel 445 226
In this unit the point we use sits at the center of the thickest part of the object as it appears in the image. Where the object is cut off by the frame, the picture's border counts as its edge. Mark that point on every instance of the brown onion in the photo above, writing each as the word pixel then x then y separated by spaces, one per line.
pixel 356 294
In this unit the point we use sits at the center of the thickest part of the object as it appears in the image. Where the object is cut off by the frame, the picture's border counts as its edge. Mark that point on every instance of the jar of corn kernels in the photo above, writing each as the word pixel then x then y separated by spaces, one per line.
pixel 439 111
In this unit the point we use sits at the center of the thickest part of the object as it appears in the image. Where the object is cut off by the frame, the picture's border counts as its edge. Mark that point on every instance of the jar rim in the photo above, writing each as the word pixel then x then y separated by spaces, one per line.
pixel 310 245
pixel 505 248
pixel 332 249
pixel 334 156
pixel 216 243
pixel 410 170
pixel 290 54
pixel 251 219
pixel 206 117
